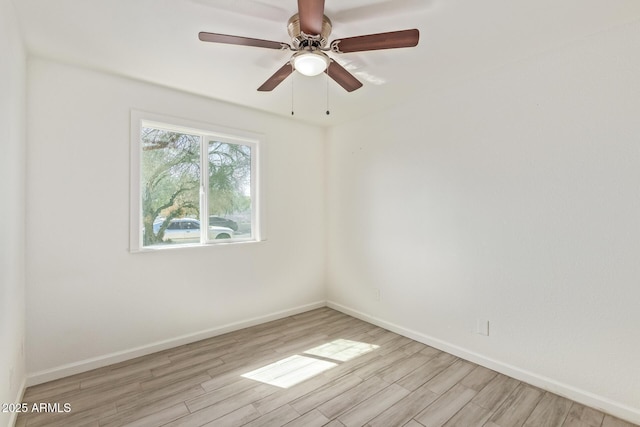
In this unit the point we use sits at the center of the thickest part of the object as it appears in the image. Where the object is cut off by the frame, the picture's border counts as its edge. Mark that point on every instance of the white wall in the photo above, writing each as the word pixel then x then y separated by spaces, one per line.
pixel 512 197
pixel 88 296
pixel 12 204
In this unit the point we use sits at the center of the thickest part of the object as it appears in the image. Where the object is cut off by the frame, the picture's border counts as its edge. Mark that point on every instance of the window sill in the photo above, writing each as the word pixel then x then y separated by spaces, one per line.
pixel 183 246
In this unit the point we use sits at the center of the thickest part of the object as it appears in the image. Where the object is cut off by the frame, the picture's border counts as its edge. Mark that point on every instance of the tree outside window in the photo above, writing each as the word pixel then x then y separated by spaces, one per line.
pixel 190 180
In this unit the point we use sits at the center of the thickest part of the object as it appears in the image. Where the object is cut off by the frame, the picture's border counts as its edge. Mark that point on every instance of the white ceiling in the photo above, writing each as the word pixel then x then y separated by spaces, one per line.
pixel 156 41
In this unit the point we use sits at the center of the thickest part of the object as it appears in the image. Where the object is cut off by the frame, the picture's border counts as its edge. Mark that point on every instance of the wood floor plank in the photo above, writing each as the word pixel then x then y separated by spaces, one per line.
pixel 178 375
pixel 450 376
pixel 413 347
pixel 397 382
pixel 213 350
pixel 212 345
pixel 249 355
pixel 478 378
pixel 310 419
pixel 312 400
pixel 427 371
pixel 122 417
pixel 142 363
pixel 220 409
pixel 116 377
pixel 101 396
pixel 610 421
pixel 430 351
pixel 386 346
pixel 230 372
pixel 496 392
pixel 404 367
pixel 204 361
pixel 469 415
pixel 160 417
pixel 279 417
pixel 388 340
pixel 218 395
pixel 350 398
pixel 379 364
pixel 86 417
pixel 316 314
pixel 150 396
pixel 347 329
pixel 551 411
pixel 239 417
pixel 582 416
pixel 41 393
pixel 301 344
pixel 284 397
pixel 446 406
pixel 406 408
pixel 373 406
pixel 517 407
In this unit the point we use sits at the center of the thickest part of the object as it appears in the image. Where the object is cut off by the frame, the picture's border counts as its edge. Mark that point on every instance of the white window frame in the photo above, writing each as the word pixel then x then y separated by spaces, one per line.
pixel 208 132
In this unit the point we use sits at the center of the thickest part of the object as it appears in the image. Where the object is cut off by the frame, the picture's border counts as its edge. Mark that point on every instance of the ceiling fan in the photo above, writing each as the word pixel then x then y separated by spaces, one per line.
pixel 309 30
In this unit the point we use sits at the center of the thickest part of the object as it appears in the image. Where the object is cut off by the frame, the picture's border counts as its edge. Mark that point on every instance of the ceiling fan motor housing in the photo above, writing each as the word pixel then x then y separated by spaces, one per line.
pixel 301 40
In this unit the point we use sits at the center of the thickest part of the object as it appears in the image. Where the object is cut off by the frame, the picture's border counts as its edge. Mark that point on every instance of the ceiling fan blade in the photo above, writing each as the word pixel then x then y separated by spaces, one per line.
pixel 343 77
pixel 277 78
pixel 391 40
pixel 311 13
pixel 242 41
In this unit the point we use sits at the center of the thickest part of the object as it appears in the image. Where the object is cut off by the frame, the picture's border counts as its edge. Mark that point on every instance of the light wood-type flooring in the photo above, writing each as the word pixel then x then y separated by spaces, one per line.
pixel 360 375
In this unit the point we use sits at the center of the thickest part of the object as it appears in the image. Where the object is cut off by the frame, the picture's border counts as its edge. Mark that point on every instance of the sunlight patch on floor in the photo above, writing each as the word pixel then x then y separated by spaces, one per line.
pixel 290 371
pixel 341 350
pixel 295 369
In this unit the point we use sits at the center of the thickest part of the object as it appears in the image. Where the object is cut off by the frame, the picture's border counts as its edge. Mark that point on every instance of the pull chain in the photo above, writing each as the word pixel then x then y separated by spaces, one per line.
pixel 327 74
pixel 328 112
pixel 292 77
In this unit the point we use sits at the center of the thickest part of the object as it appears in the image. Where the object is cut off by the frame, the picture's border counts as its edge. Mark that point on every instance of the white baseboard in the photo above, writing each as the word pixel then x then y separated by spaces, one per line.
pixel 584 397
pixel 14 415
pixel 120 356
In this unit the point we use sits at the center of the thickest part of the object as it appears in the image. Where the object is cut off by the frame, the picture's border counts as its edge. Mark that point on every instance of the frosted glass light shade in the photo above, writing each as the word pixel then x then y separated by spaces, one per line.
pixel 310 63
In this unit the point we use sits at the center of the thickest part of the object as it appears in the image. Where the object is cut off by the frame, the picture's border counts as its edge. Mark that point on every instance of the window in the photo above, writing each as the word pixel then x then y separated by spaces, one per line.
pixel 192 184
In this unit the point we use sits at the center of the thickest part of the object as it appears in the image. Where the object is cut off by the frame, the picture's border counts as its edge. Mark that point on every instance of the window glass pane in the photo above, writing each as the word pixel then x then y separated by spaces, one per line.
pixel 170 182
pixel 229 210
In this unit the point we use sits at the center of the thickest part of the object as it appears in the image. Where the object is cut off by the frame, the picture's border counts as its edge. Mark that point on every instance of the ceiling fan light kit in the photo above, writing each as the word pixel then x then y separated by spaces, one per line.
pixel 310 62
pixel 309 30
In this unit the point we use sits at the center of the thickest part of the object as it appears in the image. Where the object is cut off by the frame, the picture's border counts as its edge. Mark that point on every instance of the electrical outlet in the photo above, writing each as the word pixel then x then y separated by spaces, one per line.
pixel 482 327
pixel 376 294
